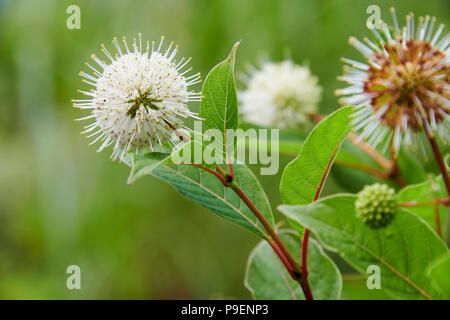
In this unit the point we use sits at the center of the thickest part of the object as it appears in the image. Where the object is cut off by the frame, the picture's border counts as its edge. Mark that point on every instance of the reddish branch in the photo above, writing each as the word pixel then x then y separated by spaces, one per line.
pixel 391 169
pixel 437 219
pixel 439 160
pixel 394 172
pixel 369 150
pixel 436 203
pixel 307 288
pixel 444 201
pixel 307 231
pixel 274 241
pixel 361 167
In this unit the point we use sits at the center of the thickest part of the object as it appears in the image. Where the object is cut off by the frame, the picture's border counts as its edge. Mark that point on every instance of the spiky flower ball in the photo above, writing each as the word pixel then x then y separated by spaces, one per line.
pixel 376 205
pixel 404 88
pixel 137 97
pixel 280 94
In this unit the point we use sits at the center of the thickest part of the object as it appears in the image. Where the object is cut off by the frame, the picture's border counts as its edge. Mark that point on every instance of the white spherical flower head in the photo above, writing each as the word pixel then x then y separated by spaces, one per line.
pixel 137 98
pixel 280 94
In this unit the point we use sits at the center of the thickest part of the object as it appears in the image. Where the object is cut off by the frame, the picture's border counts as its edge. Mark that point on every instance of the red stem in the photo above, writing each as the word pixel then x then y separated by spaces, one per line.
pixel 274 241
pixel 282 257
pixel 361 167
pixel 306 233
pixel 368 149
pixel 439 160
pixel 230 167
pixel 444 201
pixel 307 291
pixel 235 187
pixel 437 218
pixel 394 172
pixel 220 177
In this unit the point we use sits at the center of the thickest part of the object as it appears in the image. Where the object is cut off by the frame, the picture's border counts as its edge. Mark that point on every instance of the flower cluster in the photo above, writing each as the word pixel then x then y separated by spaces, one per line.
pixel 280 94
pixel 376 205
pixel 138 97
pixel 403 88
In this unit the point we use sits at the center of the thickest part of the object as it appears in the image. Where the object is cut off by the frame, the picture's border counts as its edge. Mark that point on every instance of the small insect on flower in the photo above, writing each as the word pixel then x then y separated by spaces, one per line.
pixel 138 97
pixel 280 94
pixel 404 87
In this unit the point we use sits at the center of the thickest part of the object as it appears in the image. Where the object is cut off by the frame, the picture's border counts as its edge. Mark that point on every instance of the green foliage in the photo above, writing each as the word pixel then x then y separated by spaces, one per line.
pixel 439 272
pixel 144 164
pixel 204 188
pixel 70 205
pixel 219 109
pixel 289 142
pixel 425 192
pixel 410 168
pixel 305 174
pixel 266 278
pixel 353 180
pixel 219 104
pixel 402 247
pixel 402 250
pixel 185 153
pixel 355 288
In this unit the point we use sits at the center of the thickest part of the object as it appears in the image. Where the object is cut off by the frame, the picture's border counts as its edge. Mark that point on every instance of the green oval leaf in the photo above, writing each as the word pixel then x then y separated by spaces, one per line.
pixel 425 192
pixel 439 272
pixel 402 250
pixel 304 177
pixel 266 277
pixel 410 168
pixel 219 103
pixel 354 287
pixel 204 188
pixel 351 179
pixel 142 165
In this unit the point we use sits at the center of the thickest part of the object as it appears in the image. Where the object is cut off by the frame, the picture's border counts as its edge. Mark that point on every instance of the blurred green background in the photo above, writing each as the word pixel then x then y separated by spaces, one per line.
pixel 61 203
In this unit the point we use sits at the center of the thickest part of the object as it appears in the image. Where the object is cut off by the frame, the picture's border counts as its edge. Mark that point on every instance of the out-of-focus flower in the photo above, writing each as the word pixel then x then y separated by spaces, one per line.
pixel 137 97
pixel 280 94
pixel 404 87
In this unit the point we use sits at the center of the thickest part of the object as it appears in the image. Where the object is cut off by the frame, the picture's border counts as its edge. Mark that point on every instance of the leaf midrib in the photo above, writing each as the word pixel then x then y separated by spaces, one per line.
pixel 221 199
pixel 390 267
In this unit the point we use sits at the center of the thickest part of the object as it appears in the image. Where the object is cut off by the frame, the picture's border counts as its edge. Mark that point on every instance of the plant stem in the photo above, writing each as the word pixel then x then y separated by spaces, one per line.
pixel 439 160
pixel 361 167
pixel 368 149
pixel 241 194
pixel 230 167
pixel 435 203
pixel 307 231
pixel 391 170
pixel 394 172
pixel 289 262
pixel 274 241
pixel 304 265
pixel 282 257
pixel 219 176
pixel 437 218
pixel 297 273
pixel 444 201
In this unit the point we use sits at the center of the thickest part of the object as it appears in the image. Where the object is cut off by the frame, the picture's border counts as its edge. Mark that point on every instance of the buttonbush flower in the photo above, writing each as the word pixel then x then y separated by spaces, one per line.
pixel 138 97
pixel 280 94
pixel 376 205
pixel 403 88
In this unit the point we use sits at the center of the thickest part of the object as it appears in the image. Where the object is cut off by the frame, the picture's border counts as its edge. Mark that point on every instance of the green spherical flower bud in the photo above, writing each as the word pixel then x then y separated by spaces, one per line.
pixel 376 205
